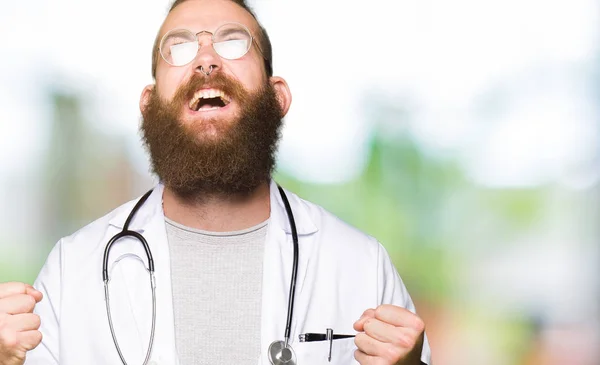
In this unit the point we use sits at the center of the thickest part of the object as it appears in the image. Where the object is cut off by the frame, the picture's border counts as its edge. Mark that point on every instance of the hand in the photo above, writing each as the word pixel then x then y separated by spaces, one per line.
pixel 390 335
pixel 18 325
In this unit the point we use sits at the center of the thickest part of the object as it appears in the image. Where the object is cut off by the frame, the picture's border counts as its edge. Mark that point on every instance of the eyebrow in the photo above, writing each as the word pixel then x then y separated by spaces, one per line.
pixel 229 31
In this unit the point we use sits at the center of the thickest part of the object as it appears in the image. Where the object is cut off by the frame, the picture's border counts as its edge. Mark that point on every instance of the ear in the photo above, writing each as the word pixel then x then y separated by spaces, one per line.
pixel 145 98
pixel 284 95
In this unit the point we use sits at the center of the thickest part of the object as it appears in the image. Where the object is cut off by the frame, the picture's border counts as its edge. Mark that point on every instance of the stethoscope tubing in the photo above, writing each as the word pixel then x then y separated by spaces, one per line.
pixel 125 232
pixel 290 215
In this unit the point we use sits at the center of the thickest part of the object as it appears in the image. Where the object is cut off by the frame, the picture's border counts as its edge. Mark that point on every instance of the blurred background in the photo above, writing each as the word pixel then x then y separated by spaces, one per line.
pixel 464 135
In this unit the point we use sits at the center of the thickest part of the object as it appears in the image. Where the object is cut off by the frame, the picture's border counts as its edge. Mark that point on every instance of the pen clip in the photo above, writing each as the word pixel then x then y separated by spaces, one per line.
pixel 329 338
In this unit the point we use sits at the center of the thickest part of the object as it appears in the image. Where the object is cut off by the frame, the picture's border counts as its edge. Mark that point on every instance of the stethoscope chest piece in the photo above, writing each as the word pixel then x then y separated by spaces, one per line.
pixel 280 353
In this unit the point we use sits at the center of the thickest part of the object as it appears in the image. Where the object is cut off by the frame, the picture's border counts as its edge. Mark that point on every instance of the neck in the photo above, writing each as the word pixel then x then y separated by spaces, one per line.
pixel 219 213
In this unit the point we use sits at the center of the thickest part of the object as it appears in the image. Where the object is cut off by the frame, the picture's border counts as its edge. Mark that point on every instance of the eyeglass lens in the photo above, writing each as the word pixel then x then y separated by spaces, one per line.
pixel 231 41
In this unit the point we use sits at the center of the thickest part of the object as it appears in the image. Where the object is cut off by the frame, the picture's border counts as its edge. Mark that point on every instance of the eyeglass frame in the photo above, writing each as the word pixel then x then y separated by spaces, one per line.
pixel 212 35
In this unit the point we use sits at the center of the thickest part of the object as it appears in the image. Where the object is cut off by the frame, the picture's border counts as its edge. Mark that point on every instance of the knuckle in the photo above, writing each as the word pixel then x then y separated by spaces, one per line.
pixel 370 326
pixel 368 313
pixel 357 355
pixel 37 320
pixel 419 324
pixel 29 303
pixel 37 338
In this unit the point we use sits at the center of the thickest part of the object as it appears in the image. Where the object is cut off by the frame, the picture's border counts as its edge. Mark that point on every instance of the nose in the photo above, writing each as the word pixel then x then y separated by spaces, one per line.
pixel 207 60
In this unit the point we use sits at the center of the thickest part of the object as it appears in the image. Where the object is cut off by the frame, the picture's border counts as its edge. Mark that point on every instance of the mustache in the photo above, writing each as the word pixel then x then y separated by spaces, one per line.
pixel 217 80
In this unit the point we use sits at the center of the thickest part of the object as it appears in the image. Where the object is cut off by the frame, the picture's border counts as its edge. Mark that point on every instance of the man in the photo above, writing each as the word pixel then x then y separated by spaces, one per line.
pixel 220 234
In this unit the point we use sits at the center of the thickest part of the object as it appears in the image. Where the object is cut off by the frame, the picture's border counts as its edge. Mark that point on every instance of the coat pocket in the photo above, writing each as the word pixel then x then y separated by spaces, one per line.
pixel 317 353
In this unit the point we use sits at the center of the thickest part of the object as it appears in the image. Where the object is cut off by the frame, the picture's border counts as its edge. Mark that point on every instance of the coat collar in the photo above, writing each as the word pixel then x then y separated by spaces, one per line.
pixel 304 221
pixel 153 206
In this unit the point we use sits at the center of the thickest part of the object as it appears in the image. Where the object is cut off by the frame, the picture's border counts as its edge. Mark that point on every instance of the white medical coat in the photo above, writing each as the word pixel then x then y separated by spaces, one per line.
pixel 341 273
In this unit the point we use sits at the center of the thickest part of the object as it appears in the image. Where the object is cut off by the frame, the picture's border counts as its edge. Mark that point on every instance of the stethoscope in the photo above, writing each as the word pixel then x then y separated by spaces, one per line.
pixel 279 353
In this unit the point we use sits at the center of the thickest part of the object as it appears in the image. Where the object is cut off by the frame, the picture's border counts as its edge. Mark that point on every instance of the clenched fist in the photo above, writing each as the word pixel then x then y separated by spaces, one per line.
pixel 390 335
pixel 18 325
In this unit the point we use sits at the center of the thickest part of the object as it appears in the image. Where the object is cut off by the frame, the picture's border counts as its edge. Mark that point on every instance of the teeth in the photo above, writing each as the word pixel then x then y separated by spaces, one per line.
pixel 194 104
pixel 224 97
pixel 207 94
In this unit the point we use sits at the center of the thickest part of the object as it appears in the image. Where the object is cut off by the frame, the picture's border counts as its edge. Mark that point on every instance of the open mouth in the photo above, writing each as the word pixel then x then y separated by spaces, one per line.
pixel 208 99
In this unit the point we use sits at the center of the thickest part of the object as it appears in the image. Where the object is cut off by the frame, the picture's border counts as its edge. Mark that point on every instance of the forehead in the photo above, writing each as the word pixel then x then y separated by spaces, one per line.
pixel 198 15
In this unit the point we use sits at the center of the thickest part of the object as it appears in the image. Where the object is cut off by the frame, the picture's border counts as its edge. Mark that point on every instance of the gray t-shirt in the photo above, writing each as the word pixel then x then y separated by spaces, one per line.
pixel 217 288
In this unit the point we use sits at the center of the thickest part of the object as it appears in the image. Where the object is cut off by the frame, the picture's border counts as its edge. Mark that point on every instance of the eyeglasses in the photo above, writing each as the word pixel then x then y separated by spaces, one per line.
pixel 231 41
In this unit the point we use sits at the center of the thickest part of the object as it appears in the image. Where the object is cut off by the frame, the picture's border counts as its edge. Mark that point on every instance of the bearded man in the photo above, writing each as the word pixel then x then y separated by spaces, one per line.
pixel 217 264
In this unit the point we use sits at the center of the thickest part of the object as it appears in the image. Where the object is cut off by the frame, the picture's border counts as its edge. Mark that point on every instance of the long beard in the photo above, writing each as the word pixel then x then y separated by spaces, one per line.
pixel 236 161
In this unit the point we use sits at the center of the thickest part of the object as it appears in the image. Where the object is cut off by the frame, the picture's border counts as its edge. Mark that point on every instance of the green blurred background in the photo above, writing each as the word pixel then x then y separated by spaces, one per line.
pixel 463 135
